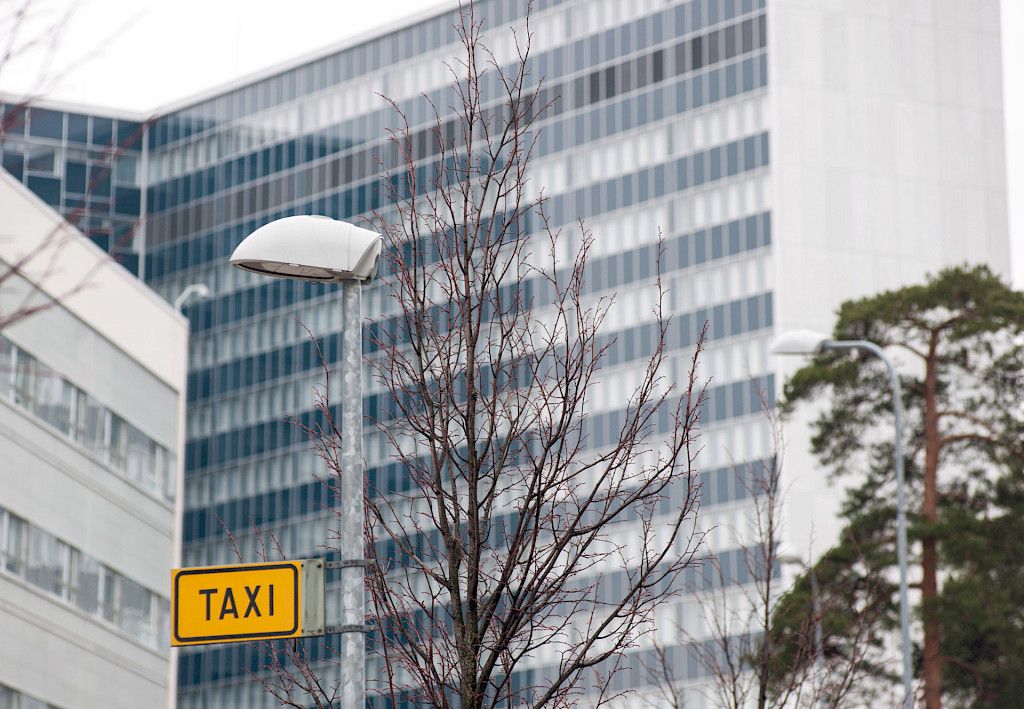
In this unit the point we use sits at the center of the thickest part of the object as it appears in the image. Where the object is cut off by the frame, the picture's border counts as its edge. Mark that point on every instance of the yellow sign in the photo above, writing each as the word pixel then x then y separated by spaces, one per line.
pixel 223 604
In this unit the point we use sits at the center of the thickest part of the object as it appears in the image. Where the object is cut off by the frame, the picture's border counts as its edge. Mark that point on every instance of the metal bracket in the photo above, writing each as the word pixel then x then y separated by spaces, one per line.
pixel 333 629
pixel 347 563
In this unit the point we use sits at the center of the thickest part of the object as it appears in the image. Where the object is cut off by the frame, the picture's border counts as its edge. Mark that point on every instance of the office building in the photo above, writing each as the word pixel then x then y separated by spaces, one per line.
pixel 85 163
pixel 91 430
pixel 793 153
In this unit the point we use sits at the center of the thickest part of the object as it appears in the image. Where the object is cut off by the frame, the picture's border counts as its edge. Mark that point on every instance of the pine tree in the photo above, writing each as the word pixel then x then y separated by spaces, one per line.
pixel 963 331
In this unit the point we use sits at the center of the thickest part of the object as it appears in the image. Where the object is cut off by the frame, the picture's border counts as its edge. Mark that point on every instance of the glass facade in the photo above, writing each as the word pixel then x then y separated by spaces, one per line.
pixel 658 122
pixel 87 167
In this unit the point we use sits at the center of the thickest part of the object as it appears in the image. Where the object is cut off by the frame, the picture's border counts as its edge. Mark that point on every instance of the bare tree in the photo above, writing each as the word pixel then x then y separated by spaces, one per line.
pixel 538 537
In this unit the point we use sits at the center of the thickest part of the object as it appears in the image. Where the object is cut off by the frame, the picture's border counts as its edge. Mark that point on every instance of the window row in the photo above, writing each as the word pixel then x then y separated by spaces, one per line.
pixel 687 172
pixel 603 34
pixel 320 111
pixel 369 56
pixel 306 536
pixel 37 388
pixel 61 570
pixel 573 131
pixel 280 399
pixel 269 330
pixel 614 271
pixel 726 320
pixel 20 119
pixel 280 470
pixel 653 68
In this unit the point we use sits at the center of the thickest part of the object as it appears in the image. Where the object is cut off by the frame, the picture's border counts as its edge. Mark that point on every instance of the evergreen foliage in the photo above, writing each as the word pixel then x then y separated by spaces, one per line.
pixel 959 343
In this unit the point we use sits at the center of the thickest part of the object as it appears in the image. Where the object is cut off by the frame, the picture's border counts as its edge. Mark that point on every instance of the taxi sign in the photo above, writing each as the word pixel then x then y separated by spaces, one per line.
pixel 243 602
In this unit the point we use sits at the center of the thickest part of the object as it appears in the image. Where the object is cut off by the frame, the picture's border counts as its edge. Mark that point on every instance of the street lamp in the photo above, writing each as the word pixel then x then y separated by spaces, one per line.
pixel 324 250
pixel 819 657
pixel 199 290
pixel 808 342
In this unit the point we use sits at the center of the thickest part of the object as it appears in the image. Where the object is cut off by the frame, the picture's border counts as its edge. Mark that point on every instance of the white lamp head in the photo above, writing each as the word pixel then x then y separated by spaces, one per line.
pixel 310 248
pixel 799 342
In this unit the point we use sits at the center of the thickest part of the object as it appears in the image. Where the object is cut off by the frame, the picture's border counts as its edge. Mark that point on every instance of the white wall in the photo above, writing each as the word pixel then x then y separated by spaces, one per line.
pixel 56 653
pixel 888 163
pixel 115 339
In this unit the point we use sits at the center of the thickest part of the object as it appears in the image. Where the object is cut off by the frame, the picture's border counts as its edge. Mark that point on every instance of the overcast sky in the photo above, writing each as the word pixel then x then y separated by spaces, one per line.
pixel 143 54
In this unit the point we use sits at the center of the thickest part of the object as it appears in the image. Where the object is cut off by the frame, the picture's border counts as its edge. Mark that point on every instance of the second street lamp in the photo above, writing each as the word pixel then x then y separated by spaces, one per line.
pixel 808 342
pixel 324 250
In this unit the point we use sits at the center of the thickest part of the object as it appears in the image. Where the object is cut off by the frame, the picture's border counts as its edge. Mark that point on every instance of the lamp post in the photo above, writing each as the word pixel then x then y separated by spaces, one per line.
pixel 819 656
pixel 324 250
pixel 199 290
pixel 807 342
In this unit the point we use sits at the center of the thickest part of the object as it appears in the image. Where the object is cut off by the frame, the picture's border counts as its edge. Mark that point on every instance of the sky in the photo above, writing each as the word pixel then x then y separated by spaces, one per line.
pixel 143 54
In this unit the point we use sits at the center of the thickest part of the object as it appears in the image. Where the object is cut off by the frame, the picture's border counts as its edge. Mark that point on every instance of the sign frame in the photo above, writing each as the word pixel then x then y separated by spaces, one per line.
pixel 306 587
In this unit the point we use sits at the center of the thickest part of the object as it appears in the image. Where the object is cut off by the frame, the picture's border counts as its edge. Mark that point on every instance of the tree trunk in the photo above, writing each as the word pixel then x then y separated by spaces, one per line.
pixel 932 660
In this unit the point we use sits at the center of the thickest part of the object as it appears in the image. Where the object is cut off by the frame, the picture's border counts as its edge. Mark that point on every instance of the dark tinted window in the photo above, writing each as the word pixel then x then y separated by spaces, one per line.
pixel 44 123
pixel 48 188
pixel 129 135
pixel 102 131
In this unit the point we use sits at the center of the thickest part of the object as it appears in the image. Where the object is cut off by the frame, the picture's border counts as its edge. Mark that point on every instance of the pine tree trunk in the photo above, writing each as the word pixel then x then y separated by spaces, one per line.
pixel 932 661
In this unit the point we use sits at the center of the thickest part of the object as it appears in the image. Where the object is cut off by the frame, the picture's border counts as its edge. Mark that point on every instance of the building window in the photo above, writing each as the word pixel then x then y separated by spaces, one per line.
pixel 49 562
pixel 52 398
pixel 6 367
pixel 117 450
pixel 41 159
pixel 109 596
pixel 44 123
pixel 24 378
pixel 136 617
pixel 13 543
pixel 86 584
pixel 94 423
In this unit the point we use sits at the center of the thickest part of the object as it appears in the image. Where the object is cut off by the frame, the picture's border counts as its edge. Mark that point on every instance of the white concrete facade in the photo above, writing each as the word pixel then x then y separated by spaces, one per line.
pixel 887 164
pixel 100 512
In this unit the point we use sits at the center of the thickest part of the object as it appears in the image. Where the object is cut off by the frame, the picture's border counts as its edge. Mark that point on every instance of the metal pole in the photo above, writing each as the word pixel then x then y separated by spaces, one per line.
pixel 901 503
pixel 353 641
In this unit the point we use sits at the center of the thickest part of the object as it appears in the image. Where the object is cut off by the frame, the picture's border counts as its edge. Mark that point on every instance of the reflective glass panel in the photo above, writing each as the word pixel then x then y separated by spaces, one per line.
pixel 87 584
pixel 47 561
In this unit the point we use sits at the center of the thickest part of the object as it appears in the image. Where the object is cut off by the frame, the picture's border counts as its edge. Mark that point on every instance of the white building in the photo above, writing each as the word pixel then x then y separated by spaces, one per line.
pixel 91 414
pixel 888 164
